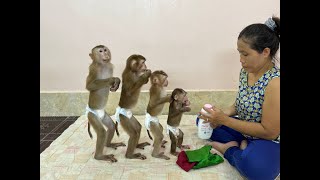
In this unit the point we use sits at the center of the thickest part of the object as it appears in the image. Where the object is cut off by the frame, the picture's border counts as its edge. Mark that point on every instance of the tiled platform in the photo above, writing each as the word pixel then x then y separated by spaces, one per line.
pixel 70 156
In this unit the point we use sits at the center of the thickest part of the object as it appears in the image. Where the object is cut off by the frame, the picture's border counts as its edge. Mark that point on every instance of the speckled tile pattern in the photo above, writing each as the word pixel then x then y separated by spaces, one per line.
pixel 70 156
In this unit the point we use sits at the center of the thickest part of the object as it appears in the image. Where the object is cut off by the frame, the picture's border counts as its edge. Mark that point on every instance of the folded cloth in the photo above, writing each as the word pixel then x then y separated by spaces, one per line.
pixel 203 157
pixel 183 162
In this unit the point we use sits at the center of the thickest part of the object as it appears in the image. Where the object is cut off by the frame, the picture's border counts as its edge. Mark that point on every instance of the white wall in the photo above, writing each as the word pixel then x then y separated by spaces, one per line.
pixel 194 41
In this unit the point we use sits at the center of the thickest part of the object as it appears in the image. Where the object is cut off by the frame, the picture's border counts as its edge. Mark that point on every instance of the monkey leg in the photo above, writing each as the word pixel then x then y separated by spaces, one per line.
pixel 130 127
pixel 137 127
pixel 173 144
pixel 107 121
pixel 158 136
pixel 163 141
pixel 101 139
pixel 180 140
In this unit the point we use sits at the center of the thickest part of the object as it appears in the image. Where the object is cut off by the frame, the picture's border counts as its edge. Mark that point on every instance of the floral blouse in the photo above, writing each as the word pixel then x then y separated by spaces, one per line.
pixel 250 98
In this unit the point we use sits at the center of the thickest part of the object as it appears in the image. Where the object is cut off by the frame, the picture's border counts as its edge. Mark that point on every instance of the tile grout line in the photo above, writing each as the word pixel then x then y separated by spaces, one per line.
pixel 54 129
pixel 63 122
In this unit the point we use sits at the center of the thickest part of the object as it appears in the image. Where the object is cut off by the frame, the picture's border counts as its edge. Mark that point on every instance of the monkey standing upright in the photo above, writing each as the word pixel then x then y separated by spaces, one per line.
pixel 99 82
pixel 158 97
pixel 177 107
pixel 134 76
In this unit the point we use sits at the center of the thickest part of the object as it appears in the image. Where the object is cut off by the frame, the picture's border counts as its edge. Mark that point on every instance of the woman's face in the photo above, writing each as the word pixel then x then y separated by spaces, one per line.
pixel 250 59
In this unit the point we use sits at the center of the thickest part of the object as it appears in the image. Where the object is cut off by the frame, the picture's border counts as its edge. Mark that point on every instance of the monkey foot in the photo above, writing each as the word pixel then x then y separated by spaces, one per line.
pixel 161 156
pixel 115 145
pixel 136 156
pixel 164 141
pixel 182 147
pixel 108 157
pixel 142 145
pixel 174 153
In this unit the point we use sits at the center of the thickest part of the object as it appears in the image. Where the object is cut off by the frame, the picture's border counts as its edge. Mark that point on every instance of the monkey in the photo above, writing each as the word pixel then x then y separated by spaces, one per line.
pixel 158 98
pixel 99 82
pixel 134 76
pixel 178 105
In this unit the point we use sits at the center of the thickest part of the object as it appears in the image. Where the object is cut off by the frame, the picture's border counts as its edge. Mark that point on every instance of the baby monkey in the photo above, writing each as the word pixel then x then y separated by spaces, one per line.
pixel 99 82
pixel 134 76
pixel 158 97
pixel 178 106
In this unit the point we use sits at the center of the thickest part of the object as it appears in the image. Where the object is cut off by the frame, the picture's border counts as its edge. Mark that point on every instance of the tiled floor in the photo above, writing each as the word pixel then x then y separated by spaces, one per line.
pixel 70 156
pixel 52 127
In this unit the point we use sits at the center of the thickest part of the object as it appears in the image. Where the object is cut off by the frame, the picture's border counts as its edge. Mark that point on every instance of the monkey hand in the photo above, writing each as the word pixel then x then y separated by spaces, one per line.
pixel 187 109
pixel 115 85
pixel 117 81
pixel 147 73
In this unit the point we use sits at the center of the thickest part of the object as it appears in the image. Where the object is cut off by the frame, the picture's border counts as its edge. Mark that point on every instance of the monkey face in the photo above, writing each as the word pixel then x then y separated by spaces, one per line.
pixel 165 81
pixel 139 66
pixel 182 98
pixel 185 100
pixel 102 54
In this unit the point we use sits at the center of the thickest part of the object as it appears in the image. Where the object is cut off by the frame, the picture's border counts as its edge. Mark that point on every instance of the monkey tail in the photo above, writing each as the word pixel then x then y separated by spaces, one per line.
pixel 117 129
pixel 149 134
pixel 89 130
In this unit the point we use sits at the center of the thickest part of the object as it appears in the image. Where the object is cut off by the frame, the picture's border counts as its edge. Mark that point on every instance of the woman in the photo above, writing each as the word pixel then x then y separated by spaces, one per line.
pixel 251 141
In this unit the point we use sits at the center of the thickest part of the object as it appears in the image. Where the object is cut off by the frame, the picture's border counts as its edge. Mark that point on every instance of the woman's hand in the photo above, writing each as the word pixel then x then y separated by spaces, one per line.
pixel 215 116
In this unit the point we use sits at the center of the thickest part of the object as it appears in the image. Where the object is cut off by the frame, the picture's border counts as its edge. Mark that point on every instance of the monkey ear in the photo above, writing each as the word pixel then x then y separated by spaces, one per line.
pixel 133 63
pixel 176 97
pixel 91 55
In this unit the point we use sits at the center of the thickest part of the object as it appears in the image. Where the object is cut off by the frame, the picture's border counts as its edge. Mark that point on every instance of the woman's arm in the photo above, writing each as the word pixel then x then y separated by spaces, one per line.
pixel 231 111
pixel 269 128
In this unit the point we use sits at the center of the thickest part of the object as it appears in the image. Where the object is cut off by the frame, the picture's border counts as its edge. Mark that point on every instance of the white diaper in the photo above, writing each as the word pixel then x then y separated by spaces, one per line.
pixel 174 130
pixel 98 112
pixel 126 112
pixel 150 118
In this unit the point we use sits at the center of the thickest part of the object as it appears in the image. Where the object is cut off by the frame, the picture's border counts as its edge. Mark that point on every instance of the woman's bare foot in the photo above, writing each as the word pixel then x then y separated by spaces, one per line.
pixel 222 147
pixel 243 144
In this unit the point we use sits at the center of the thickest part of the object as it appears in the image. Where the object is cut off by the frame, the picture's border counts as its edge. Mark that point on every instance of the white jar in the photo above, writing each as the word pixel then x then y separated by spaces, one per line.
pixel 209 106
pixel 204 129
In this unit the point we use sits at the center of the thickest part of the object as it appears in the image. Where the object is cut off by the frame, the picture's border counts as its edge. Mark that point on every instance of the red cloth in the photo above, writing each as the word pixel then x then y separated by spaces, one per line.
pixel 183 161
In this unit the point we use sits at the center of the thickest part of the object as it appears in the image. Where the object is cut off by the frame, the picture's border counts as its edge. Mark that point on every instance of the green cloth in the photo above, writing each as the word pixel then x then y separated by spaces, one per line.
pixel 203 157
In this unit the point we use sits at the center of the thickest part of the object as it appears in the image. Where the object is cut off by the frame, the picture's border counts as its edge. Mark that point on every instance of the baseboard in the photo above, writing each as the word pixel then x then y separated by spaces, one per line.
pixel 74 103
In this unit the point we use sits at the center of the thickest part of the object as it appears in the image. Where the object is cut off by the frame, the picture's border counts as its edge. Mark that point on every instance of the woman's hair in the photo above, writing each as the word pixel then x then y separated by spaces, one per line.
pixel 260 36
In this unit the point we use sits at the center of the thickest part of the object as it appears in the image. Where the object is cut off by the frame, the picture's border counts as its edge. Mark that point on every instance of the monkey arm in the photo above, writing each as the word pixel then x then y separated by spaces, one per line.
pixel 163 100
pixel 143 79
pixel 100 83
pixel 157 102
